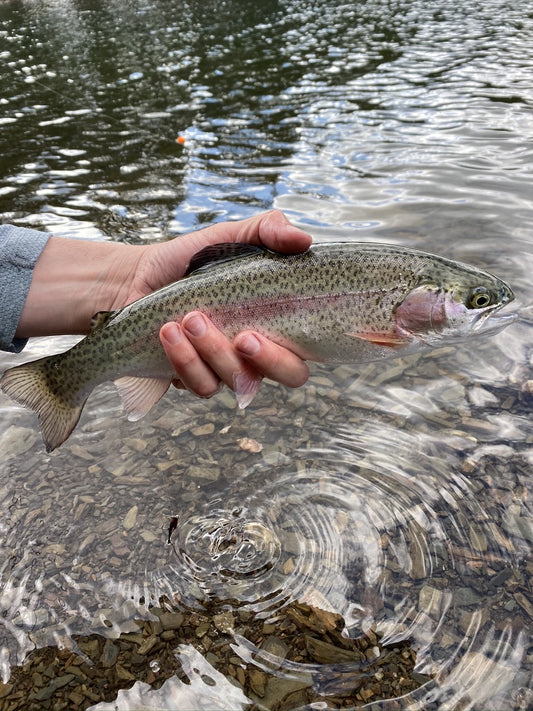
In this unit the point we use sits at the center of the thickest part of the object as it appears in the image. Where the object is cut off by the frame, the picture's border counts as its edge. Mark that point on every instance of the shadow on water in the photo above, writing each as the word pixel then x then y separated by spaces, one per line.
pixel 365 540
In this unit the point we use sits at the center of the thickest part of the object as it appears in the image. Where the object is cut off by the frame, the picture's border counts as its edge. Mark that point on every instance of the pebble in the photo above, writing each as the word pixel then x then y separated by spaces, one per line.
pixel 49 690
pixel 109 654
pixel 258 681
pixel 147 644
pixel 171 620
pixel 149 536
pixel 326 653
pixel 471 621
pixel 465 597
pixel 15 441
pixel 480 397
pixel 123 674
pixel 5 689
pixel 203 430
pixel 430 601
pixel 477 538
pixel 417 552
pixel 275 646
pixel 224 622
pixel 525 603
pixel 55 548
pixel 501 577
pixel 136 443
pixel 483 427
pixel 208 473
pixel 81 452
pixel 277 690
pixel 289 566
pixel 130 519
pixel 117 471
pixel 87 542
pixel 202 629
pixel 249 445
pixel 518 526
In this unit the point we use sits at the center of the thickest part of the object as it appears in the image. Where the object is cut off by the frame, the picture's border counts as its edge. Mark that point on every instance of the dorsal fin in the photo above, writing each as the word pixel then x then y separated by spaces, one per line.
pixel 100 319
pixel 223 252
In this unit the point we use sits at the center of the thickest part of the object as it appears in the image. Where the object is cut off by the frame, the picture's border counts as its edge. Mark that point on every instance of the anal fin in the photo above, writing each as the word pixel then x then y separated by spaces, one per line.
pixel 139 395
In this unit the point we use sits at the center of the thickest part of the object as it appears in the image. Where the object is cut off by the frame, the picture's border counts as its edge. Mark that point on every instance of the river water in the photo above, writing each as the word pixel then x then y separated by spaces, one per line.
pixel 397 495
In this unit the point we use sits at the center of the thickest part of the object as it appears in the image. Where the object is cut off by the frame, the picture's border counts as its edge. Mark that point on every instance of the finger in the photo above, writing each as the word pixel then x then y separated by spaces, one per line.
pixel 276 232
pixel 271 360
pixel 214 348
pixel 271 229
pixel 193 372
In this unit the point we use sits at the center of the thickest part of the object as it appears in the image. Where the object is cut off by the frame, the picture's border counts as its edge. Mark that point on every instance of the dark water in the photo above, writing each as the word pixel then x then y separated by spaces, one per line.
pixel 398 495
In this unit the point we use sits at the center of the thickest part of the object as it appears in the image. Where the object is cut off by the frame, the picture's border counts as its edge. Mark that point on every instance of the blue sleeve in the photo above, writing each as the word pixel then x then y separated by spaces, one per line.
pixel 20 249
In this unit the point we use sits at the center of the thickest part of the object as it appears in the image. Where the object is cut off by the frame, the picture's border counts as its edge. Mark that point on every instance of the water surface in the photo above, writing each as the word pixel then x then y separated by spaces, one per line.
pixel 397 495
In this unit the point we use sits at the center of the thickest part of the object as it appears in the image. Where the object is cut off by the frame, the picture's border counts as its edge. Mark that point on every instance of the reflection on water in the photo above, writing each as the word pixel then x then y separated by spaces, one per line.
pixel 398 495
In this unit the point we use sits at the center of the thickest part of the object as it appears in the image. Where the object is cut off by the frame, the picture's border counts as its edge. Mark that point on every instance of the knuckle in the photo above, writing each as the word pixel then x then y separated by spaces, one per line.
pixel 184 359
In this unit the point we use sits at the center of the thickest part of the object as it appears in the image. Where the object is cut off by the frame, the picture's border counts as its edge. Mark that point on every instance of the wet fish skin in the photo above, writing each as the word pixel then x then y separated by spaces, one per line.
pixel 337 302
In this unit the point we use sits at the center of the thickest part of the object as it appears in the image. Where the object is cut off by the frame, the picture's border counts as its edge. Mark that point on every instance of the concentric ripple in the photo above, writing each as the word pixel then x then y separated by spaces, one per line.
pixel 227 548
pixel 285 541
pixel 349 507
pixel 393 540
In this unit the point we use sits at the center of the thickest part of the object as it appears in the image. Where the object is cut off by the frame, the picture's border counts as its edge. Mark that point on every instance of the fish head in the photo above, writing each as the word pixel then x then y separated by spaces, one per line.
pixel 452 302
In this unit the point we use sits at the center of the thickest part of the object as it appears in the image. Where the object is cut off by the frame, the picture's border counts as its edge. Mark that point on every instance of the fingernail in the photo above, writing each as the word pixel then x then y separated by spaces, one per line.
pixel 172 333
pixel 249 345
pixel 195 325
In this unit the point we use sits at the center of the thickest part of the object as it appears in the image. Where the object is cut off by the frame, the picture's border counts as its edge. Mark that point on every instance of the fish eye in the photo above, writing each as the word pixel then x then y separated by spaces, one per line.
pixel 479 298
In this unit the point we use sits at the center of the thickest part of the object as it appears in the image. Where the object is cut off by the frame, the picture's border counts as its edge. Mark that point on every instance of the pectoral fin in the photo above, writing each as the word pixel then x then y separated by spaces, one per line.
pixel 139 395
pixel 389 340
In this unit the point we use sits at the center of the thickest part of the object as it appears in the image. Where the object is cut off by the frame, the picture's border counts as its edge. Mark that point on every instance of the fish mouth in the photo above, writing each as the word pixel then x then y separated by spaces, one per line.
pixel 490 321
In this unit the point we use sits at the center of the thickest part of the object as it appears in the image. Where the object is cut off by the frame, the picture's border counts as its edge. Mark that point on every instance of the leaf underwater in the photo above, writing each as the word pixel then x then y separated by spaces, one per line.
pixel 337 303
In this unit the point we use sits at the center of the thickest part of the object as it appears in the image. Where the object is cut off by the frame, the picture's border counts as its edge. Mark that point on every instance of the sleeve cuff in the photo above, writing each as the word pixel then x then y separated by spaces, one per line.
pixel 20 248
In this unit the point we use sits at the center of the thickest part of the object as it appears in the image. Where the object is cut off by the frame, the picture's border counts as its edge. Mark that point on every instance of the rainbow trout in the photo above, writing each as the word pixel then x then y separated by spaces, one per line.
pixel 338 302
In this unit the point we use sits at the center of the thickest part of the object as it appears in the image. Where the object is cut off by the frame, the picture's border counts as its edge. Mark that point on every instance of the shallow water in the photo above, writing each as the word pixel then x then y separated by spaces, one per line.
pixel 397 495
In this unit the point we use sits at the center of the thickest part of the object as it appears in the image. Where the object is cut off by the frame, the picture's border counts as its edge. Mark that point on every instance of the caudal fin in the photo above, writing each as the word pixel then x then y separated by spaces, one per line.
pixel 29 385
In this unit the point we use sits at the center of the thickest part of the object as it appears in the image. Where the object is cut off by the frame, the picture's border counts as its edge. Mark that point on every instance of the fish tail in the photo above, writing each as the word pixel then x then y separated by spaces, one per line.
pixel 36 386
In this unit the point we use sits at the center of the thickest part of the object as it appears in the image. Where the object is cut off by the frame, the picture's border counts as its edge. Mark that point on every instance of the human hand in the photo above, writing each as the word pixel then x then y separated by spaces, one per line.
pixel 202 356
pixel 73 279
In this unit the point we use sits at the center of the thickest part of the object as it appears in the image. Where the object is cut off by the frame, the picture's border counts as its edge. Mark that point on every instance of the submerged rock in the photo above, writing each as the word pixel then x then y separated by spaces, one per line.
pixel 302 656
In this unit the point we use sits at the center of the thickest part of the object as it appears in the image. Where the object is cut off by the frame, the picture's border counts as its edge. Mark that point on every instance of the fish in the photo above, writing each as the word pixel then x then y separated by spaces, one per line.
pixel 338 302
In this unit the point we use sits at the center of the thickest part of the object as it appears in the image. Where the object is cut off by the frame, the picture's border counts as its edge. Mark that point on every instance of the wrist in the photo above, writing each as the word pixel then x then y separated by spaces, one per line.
pixel 72 280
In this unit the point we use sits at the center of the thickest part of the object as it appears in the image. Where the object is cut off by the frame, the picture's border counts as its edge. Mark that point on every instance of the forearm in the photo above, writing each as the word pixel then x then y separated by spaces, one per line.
pixel 72 280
